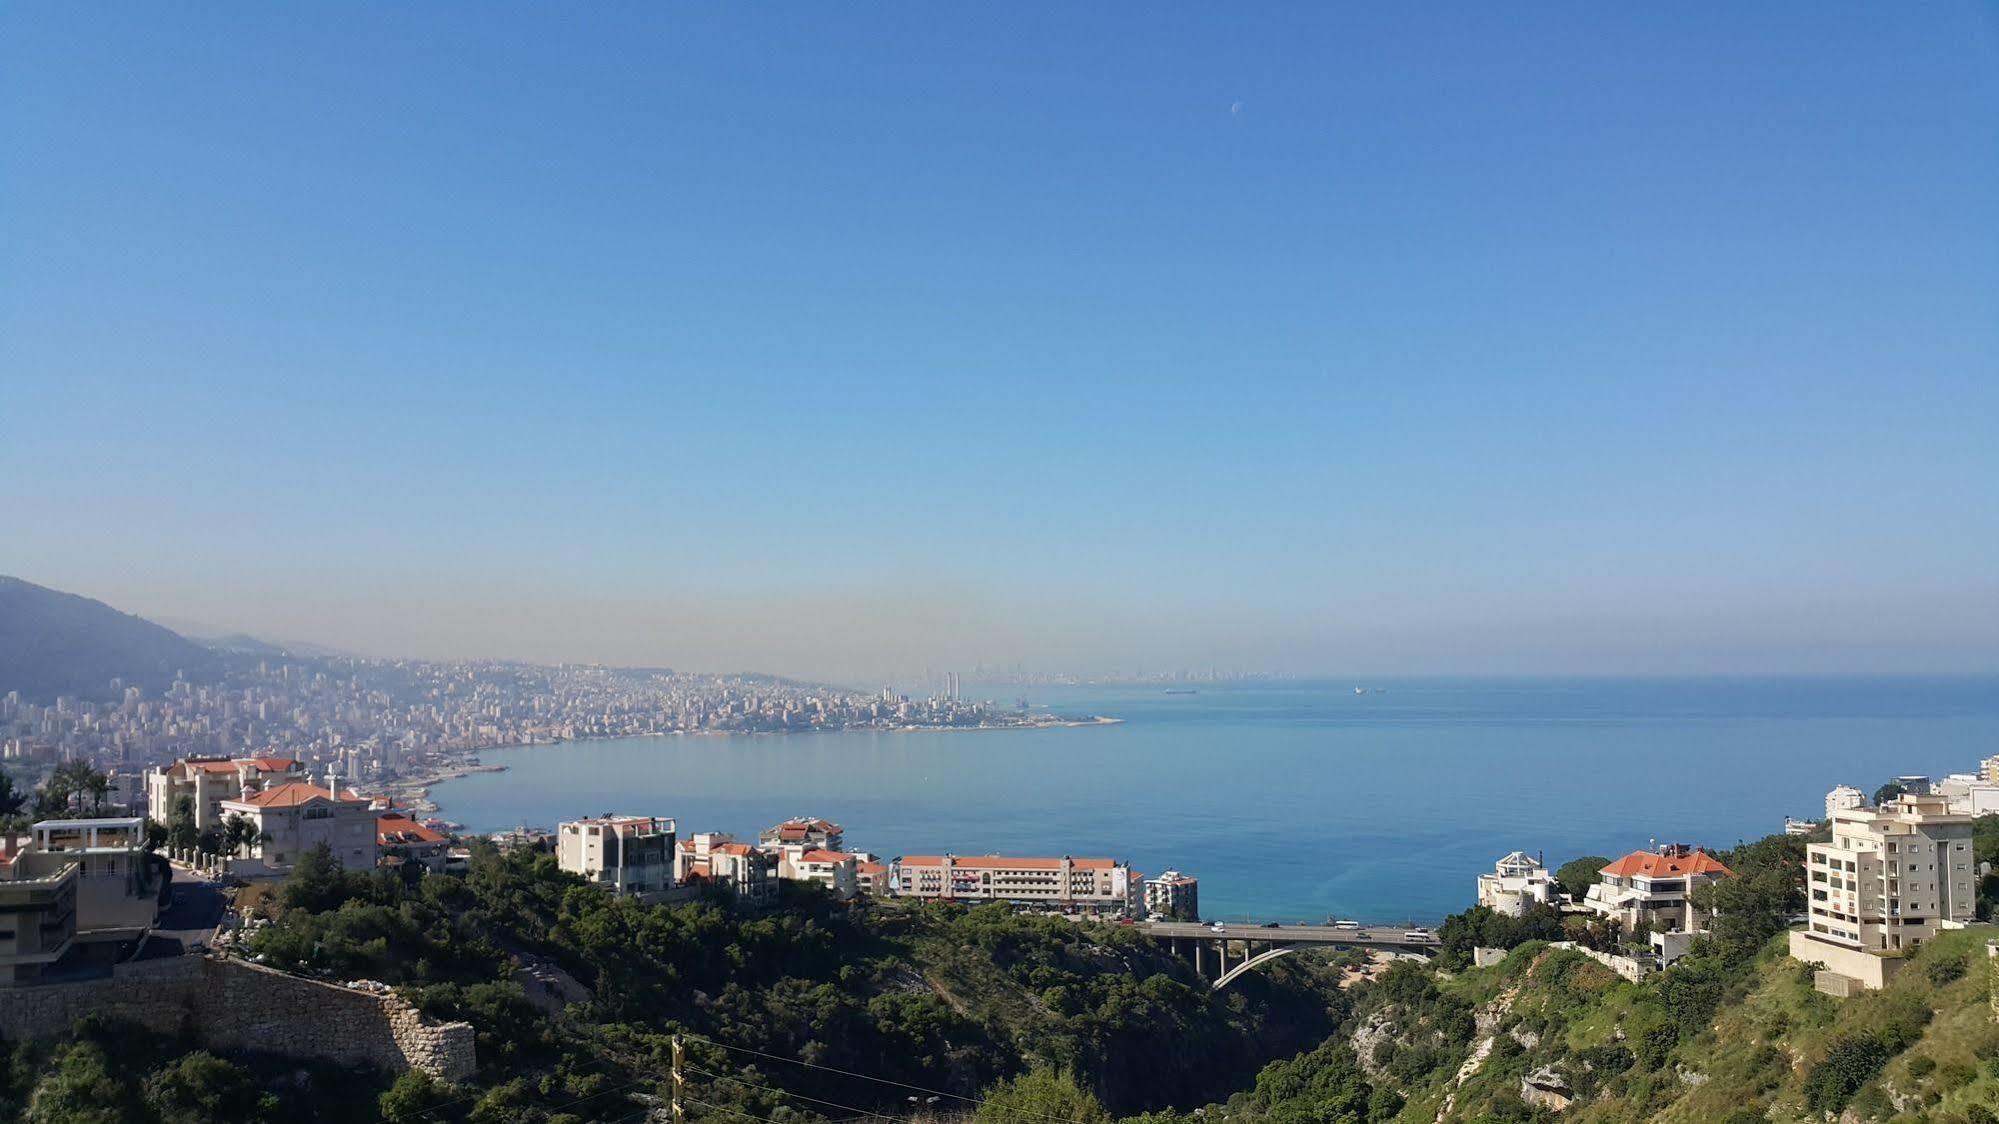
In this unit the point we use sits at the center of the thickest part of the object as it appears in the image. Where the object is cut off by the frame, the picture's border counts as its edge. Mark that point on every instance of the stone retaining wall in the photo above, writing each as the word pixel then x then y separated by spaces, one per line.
pixel 233 1005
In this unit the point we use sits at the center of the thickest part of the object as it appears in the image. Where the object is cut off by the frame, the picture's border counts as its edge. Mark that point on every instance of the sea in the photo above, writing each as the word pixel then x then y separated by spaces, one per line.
pixel 1292 800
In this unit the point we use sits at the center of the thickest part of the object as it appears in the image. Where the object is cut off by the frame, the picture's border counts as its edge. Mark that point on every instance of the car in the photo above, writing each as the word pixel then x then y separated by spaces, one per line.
pixel 1272 925
pixel 1219 927
pixel 1125 921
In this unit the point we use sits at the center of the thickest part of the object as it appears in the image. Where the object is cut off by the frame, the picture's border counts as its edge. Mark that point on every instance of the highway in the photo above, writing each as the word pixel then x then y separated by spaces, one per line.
pixel 1369 936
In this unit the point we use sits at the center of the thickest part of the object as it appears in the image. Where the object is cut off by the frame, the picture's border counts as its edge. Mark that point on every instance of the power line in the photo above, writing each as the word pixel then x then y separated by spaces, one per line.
pixel 789 1093
pixel 885 1081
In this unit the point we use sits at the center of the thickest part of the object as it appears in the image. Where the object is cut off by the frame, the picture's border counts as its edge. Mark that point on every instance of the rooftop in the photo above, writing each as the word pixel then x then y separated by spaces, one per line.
pixel 1653 864
pixel 1001 862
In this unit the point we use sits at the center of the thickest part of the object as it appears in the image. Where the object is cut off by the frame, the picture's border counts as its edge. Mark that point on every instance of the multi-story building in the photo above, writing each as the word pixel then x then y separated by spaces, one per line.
pixel 1174 896
pixel 1651 888
pixel 294 817
pixel 1890 879
pixel 870 876
pixel 835 870
pixel 810 832
pixel 1843 797
pixel 75 891
pixel 623 854
pixel 1516 884
pixel 1968 793
pixel 205 782
pixel 1070 885
pixel 714 858
pixel 404 840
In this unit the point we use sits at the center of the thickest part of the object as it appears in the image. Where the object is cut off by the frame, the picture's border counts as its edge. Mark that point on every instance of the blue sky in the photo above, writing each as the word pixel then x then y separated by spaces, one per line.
pixel 840 341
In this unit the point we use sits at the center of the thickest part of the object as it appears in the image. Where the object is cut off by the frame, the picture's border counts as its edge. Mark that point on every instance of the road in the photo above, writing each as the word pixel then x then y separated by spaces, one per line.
pixel 194 912
pixel 1379 936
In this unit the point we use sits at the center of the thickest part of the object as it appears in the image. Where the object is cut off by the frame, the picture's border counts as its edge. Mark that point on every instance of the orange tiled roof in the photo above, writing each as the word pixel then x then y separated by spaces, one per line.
pixel 823 857
pixel 274 764
pixel 1651 864
pixel 398 828
pixel 290 795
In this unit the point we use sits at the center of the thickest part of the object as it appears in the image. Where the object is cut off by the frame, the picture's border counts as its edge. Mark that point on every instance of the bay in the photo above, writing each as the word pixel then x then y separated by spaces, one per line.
pixel 1293 800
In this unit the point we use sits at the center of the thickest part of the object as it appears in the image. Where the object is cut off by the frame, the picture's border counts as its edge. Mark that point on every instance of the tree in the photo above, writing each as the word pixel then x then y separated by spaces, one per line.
pixel 200 1087
pixel 1577 875
pixel 316 884
pixel 1889 793
pixel 1042 1094
pixel 11 798
pixel 82 1087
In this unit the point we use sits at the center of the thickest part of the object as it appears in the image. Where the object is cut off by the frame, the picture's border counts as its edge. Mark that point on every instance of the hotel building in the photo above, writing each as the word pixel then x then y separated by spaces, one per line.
pixel 1070 885
pixel 1174 896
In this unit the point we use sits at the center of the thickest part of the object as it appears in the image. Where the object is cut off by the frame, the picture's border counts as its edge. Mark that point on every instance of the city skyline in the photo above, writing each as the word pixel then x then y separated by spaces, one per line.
pixel 838 345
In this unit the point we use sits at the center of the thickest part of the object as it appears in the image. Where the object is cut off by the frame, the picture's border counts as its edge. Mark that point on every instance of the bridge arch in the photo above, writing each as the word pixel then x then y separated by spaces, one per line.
pixel 1267 954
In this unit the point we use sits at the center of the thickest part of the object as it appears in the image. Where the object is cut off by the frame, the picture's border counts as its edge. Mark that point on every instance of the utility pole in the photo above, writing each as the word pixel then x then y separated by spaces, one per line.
pixel 679 1084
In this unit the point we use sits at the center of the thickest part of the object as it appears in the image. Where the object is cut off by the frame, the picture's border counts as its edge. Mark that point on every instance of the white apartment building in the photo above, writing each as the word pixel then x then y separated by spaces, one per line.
pixel 835 870
pixel 1652 888
pixel 1890 879
pixel 294 817
pixel 623 854
pixel 714 858
pixel 1515 884
pixel 1841 798
pixel 1969 794
pixel 1174 896
pixel 1071 885
pixel 401 839
pixel 207 781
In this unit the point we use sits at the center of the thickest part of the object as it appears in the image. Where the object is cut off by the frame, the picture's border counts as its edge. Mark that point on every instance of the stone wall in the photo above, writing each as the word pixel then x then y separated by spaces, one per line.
pixel 233 1005
pixel 1629 967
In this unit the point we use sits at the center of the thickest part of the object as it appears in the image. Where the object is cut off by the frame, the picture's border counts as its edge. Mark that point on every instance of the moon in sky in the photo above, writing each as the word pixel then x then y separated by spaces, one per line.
pixel 1235 110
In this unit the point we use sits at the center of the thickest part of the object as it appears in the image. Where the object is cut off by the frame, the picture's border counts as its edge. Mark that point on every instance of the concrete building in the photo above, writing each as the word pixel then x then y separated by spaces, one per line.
pixel 1071 885
pixel 808 832
pixel 1888 880
pixel 1515 884
pixel 623 854
pixel 1651 888
pixel 401 839
pixel 836 870
pixel 715 859
pixel 871 876
pixel 1174 896
pixel 1843 797
pixel 294 817
pixel 75 892
pixel 208 781
pixel 1969 794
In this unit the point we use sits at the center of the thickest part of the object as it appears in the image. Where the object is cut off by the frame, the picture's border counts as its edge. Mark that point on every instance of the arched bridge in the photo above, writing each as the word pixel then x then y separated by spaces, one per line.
pixel 1250 945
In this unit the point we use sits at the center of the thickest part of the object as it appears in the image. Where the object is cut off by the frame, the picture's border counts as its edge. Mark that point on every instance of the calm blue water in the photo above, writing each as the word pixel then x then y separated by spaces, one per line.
pixel 1295 800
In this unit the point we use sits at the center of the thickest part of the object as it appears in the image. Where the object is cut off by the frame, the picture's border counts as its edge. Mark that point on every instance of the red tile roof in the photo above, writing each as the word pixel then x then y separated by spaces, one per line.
pixel 290 795
pixel 823 857
pixel 274 764
pixel 398 828
pixel 1651 864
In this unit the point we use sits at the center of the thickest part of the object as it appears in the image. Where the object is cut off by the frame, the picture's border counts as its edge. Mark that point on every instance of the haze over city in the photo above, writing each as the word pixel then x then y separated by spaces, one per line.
pixel 840 343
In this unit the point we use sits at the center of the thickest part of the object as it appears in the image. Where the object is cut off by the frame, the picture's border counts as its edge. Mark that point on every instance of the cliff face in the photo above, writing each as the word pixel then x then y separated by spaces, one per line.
pixel 1552 1035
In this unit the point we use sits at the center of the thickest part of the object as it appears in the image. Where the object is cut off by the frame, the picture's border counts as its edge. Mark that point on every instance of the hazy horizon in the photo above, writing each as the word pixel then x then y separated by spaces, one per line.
pixel 838 344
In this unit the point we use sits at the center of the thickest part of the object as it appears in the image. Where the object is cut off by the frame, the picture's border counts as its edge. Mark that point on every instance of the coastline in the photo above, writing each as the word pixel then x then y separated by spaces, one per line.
pixel 412 792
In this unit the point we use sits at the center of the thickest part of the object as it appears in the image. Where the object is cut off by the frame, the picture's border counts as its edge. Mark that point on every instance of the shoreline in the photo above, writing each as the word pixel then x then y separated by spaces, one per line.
pixel 412 792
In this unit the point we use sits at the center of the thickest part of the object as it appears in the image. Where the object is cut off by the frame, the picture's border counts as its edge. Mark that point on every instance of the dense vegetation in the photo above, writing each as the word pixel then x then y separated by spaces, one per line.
pixel 1012 1019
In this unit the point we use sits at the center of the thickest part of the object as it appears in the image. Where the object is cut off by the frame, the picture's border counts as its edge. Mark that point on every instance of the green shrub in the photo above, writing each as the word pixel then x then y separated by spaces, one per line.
pixel 1852 1061
pixel 1948 970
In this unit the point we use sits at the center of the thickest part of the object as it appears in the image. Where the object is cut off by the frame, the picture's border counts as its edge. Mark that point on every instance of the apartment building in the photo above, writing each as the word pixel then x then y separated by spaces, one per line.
pixel 74 893
pixel 294 817
pixel 623 854
pixel 208 781
pixel 1652 888
pixel 838 871
pixel 1843 797
pixel 871 877
pixel 1174 896
pixel 714 858
pixel 1070 885
pixel 1890 879
pixel 1516 884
